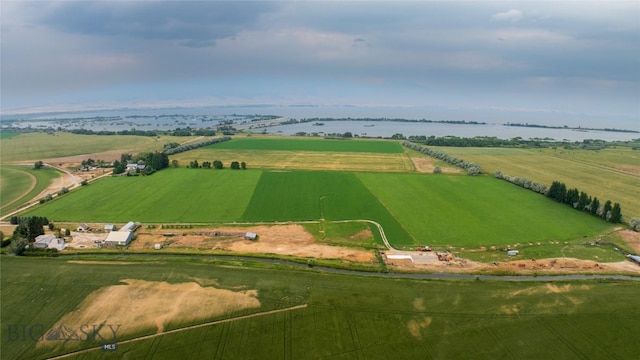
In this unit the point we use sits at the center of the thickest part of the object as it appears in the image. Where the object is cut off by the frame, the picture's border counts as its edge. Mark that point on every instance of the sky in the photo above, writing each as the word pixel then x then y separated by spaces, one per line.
pixel 578 58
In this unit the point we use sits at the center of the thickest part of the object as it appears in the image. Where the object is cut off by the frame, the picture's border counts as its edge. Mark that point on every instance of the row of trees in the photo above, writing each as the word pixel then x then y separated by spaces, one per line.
pixel 186 147
pixel 216 164
pixel 29 227
pixel 522 182
pixel 580 200
pixel 110 132
pixel 471 168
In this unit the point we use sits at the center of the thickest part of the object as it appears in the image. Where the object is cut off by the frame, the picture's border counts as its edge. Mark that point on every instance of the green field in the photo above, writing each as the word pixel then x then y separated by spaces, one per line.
pixel 346 317
pixel 19 184
pixel 40 146
pixel 583 169
pixel 7 135
pixel 313 144
pixel 412 208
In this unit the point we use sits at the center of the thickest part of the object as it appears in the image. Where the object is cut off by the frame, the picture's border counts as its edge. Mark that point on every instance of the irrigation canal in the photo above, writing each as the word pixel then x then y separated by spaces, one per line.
pixel 428 276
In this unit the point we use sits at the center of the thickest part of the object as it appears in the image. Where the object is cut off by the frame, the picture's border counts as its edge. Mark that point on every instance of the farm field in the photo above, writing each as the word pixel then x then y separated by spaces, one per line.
pixel 7 135
pixel 312 144
pixel 42 146
pixel 305 154
pixel 338 316
pixel 412 208
pixel 19 184
pixel 582 169
pixel 476 211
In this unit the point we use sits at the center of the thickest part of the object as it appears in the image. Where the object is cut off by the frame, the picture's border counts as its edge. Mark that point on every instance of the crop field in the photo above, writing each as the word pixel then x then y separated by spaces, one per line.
pixel 337 316
pixel 412 208
pixel 582 169
pixel 19 184
pixel 312 144
pixel 7 135
pixel 41 146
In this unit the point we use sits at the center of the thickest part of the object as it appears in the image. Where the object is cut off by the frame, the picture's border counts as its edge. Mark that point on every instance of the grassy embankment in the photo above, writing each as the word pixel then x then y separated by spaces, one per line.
pixel 346 316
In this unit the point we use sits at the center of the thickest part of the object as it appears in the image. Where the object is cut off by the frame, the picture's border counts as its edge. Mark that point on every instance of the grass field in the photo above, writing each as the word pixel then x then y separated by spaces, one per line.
pixel 472 211
pixel 413 209
pixel 41 146
pixel 312 144
pixel 7 135
pixel 19 184
pixel 583 169
pixel 346 316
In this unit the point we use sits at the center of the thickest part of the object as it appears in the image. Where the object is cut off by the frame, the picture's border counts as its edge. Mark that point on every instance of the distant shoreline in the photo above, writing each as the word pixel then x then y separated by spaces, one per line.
pixel 565 127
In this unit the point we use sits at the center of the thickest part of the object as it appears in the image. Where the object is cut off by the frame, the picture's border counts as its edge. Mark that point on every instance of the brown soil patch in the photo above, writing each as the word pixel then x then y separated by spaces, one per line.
pixel 415 327
pixel 141 305
pixel 272 239
pixel 362 235
pixel 418 304
pixel 95 262
pixel 426 165
pixel 632 238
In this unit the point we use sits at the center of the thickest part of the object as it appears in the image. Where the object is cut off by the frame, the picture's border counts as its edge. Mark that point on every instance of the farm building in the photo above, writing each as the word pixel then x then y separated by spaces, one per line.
pixel 109 227
pixel 635 258
pixel 119 238
pixel 250 236
pixel 130 226
pixel 83 227
pixel 49 242
pixel 513 252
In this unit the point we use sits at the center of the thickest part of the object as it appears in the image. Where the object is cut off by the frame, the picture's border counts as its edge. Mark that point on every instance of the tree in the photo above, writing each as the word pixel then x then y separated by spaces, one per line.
pixel 235 165
pixel 606 213
pixel 616 214
pixel 584 201
pixel 243 165
pixel 194 164
pixel 206 165
pixel 595 206
pixel 175 163
pixel 118 167
pixel 18 245
pixel 30 228
pixel 437 170
pixel 38 165
pixel 217 164
pixel 347 135
pixel 634 224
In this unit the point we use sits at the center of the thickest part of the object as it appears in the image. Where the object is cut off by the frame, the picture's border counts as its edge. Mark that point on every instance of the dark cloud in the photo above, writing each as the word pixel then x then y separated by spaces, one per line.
pixel 193 23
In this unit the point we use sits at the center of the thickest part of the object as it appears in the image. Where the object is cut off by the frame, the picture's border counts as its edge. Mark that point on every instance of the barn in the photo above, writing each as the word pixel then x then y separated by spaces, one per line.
pixel 49 242
pixel 119 238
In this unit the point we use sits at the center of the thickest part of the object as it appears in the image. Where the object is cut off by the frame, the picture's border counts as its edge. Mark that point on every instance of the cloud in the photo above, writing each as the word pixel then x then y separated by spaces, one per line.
pixel 509 16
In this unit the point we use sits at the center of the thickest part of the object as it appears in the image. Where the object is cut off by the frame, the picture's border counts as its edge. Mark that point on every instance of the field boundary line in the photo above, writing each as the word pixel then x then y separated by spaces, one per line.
pixel 223 321
pixel 34 182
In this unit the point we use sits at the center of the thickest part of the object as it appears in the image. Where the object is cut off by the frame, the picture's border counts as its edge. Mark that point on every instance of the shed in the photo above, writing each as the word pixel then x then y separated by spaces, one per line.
pixel 635 258
pixel 513 252
pixel 119 238
pixel 399 257
pixel 250 236
pixel 83 227
pixel 109 227
pixel 130 226
pixel 157 246
pixel 49 242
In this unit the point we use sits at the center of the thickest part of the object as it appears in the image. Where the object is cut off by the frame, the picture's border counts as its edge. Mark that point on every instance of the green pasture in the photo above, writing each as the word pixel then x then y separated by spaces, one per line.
pixel 41 146
pixel 582 169
pixel 347 316
pixel 7 135
pixel 473 211
pixel 170 195
pixel 20 184
pixel 414 209
pixel 313 144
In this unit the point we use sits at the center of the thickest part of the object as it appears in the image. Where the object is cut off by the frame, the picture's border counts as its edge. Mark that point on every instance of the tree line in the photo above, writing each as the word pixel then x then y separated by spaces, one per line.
pixel 187 147
pixel 522 182
pixel 492 141
pixel 471 168
pixel 216 164
pixel 580 200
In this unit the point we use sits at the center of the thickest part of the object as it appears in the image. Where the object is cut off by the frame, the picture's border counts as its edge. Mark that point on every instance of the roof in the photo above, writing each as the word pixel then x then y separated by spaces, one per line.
pixel 45 239
pixel 130 226
pixel 250 235
pixel 635 258
pixel 119 237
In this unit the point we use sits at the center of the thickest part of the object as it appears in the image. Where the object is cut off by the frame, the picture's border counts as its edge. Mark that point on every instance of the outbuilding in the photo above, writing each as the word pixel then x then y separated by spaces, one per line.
pixel 49 242
pixel 512 252
pixel 83 227
pixel 250 236
pixel 109 227
pixel 635 258
pixel 130 226
pixel 119 238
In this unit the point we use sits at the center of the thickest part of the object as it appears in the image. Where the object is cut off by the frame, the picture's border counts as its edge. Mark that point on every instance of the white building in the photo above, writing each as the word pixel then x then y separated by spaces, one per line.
pixel 49 242
pixel 119 238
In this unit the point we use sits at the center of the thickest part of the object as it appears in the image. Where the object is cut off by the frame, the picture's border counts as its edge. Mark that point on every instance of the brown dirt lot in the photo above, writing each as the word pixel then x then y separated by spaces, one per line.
pixel 426 165
pixel 272 239
pixel 632 238
pixel 152 304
